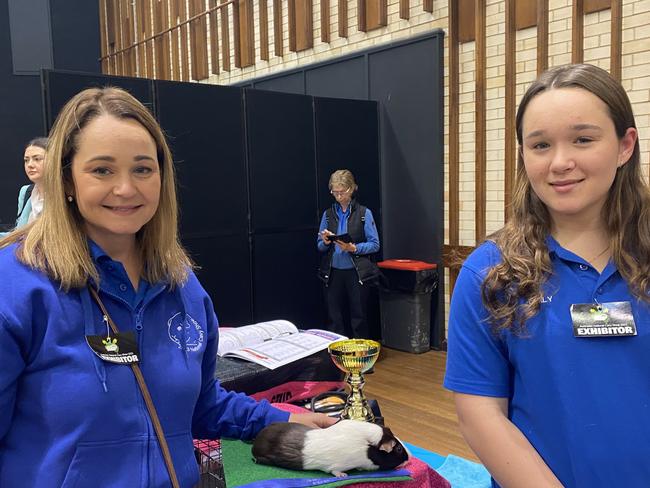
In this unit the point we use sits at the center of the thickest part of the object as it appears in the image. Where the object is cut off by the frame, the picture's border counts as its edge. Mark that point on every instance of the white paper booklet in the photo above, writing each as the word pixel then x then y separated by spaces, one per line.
pixel 273 343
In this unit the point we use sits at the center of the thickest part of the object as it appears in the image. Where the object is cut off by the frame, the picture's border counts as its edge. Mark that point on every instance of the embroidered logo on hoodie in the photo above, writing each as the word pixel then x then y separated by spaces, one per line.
pixel 186 334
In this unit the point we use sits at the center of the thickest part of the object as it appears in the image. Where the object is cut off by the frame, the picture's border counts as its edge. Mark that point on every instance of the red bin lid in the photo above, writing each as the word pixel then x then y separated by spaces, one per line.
pixel 406 264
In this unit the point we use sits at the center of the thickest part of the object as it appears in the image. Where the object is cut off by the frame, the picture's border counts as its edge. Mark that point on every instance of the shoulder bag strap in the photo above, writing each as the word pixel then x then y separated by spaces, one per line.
pixel 147 398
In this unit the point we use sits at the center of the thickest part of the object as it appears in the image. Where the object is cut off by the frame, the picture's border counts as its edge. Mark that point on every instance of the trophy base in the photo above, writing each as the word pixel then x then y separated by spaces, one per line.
pixel 370 412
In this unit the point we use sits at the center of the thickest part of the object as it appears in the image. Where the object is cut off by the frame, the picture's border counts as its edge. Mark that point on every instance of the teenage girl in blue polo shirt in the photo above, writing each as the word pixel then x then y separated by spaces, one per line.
pixel 549 327
pixel 106 251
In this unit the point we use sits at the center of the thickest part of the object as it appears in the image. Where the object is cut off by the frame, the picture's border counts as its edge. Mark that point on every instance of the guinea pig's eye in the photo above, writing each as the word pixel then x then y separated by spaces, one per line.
pixel 399 448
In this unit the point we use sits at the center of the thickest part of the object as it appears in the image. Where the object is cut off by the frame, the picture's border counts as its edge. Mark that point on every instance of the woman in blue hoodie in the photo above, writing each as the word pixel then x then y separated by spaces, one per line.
pixel 73 412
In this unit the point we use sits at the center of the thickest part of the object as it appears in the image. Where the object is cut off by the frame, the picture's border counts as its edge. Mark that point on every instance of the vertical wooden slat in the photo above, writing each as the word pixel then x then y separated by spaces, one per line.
pixel 148 32
pixel 454 80
pixel 236 34
pixel 185 56
pixel 510 83
pixel 292 24
pixel 264 30
pixel 404 9
pixel 103 39
pixel 427 6
pixel 111 22
pixel 278 33
pixel 479 136
pixel 198 41
pixel 372 14
pixel 166 41
pixel 466 20
pixel 244 21
pixel 325 20
pixel 616 52
pixel 526 15
pixel 577 32
pixel 133 67
pixel 139 36
pixel 542 36
pixel 159 47
pixel 304 24
pixel 214 38
pixel 175 72
pixel 591 6
pixel 343 18
pixel 361 15
pixel 123 64
pixel 225 40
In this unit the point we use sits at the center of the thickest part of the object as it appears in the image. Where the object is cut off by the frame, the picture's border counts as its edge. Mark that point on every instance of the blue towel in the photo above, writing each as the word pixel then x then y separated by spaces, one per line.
pixel 462 473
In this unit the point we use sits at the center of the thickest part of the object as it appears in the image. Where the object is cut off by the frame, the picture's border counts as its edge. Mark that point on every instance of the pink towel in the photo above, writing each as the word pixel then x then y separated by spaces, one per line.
pixel 423 475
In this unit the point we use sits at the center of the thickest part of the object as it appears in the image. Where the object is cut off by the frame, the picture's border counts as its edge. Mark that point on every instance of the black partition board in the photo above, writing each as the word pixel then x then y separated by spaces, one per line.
pixel 205 130
pixel 60 86
pixel 347 137
pixel 282 166
pixel 343 79
pixel 286 282
pixel 291 83
pixel 224 272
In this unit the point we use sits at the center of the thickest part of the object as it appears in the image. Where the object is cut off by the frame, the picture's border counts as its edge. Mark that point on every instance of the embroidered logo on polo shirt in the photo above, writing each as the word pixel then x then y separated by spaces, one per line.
pixel 186 334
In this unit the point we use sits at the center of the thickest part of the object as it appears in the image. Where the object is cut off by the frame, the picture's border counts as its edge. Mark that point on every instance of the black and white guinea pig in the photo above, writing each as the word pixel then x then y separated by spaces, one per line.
pixel 344 446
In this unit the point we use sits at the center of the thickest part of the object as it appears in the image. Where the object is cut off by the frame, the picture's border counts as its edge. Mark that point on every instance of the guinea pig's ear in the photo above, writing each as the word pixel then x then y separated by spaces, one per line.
pixel 387 446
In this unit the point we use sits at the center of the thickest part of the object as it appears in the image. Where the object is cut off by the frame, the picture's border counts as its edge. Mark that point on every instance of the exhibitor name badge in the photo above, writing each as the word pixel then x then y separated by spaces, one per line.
pixel 117 348
pixel 611 319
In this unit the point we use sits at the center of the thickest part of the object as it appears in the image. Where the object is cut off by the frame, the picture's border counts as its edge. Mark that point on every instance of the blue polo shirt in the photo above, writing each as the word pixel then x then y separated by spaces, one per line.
pixel 583 403
pixel 342 259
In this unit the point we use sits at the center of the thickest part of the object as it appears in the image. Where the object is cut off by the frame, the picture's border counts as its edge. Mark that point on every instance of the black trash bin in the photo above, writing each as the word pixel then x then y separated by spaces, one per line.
pixel 405 303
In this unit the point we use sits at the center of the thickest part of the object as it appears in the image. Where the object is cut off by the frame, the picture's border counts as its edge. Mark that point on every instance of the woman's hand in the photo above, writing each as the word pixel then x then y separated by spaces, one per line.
pixel 325 235
pixel 347 246
pixel 313 419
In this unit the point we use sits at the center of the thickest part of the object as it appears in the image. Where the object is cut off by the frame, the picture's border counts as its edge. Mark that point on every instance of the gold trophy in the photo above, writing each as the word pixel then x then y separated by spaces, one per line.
pixel 354 357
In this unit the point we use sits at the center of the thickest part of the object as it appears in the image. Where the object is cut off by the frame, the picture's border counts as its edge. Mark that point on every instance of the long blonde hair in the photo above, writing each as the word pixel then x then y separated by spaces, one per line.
pixel 56 242
pixel 512 290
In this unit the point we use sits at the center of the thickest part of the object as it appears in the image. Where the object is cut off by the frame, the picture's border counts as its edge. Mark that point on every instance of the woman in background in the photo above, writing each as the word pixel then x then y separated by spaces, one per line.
pixel 346 268
pixel 30 197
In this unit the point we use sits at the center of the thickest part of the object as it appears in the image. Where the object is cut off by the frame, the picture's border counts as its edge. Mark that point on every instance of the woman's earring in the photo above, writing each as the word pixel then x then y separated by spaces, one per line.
pixel 70 198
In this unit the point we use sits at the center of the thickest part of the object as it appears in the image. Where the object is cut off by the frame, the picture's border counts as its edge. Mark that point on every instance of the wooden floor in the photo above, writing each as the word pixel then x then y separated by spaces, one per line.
pixel 413 402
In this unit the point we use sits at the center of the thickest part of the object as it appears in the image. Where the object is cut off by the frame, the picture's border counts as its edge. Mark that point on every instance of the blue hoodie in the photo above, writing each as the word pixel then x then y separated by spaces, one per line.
pixel 69 419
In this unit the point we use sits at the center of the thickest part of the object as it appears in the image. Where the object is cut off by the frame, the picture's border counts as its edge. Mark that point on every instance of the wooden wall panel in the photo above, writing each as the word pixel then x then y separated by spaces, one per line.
pixel 512 7
pixel 198 41
pixel 542 36
pixel 161 43
pixel 526 14
pixel 343 18
pixel 214 37
pixel 372 14
pixel 325 20
pixel 148 32
pixel 465 20
pixel 577 32
pixel 122 60
pixel 175 41
pixel 427 6
pixel 301 25
pixel 616 50
pixel 225 36
pixel 591 6
pixel 183 40
pixel 278 32
pixel 139 36
pixel 243 23
pixel 404 9
pixel 103 39
pixel 454 140
pixel 264 29
pixel 479 117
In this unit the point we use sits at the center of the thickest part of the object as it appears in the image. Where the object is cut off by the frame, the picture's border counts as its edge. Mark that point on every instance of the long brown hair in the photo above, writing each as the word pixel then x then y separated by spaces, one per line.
pixel 56 243
pixel 512 290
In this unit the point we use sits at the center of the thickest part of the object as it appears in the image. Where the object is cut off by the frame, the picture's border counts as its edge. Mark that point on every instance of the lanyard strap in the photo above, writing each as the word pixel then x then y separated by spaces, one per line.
pixel 162 442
